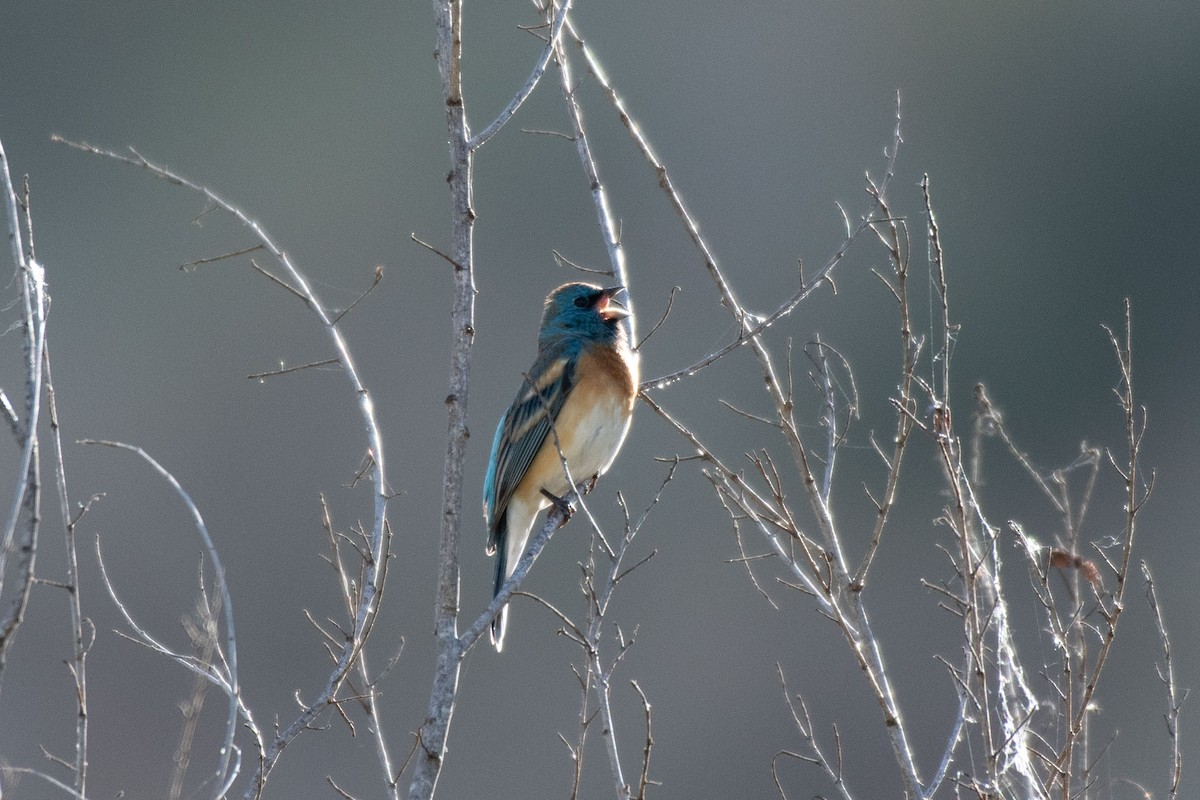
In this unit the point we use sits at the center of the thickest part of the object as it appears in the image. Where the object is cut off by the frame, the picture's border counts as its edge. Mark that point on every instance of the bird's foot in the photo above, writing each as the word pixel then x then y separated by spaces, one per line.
pixel 591 484
pixel 562 505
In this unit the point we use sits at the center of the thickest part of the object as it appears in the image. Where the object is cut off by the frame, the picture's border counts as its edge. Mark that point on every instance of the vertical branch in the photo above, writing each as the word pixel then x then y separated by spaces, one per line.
pixel 78 662
pixel 1003 699
pixel 609 733
pixel 889 234
pixel 599 582
pixel 972 554
pixel 644 779
pixel 1166 674
pixel 598 598
pixel 203 631
pixel 942 393
pixel 432 735
pixel 1136 494
pixel 827 417
pixel 376 726
pixel 27 495
pixel 11 216
pixel 596 675
pixel 608 227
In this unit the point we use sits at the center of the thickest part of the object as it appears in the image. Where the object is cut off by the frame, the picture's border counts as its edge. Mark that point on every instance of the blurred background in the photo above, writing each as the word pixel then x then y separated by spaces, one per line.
pixel 1060 141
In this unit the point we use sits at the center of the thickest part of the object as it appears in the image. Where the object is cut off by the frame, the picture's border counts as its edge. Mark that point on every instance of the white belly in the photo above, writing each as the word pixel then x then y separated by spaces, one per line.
pixel 596 439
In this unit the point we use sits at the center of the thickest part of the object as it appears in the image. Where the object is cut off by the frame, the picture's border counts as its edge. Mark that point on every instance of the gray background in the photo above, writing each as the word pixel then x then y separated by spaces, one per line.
pixel 1061 142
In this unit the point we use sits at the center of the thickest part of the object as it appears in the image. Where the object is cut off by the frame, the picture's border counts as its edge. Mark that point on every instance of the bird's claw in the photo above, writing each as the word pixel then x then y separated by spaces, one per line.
pixel 562 505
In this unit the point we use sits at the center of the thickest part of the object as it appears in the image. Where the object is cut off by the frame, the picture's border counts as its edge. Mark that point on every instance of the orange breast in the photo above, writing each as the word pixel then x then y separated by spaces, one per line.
pixel 591 425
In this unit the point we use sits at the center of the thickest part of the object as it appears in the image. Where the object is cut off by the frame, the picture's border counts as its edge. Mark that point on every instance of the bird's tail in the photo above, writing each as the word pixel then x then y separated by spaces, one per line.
pixel 501 577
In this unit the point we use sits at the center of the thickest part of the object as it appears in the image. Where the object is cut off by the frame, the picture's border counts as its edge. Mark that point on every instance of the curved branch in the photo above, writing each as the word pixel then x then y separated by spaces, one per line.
pixel 481 138
pixel 229 682
pixel 374 569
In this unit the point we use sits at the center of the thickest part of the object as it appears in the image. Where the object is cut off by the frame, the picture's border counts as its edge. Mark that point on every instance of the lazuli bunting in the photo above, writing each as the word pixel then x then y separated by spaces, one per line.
pixel 578 398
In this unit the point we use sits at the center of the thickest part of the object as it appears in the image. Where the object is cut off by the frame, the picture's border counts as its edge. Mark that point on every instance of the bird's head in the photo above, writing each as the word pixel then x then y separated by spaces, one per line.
pixel 584 311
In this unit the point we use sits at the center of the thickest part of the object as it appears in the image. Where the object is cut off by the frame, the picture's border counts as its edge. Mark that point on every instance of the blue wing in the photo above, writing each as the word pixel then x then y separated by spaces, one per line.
pixel 520 435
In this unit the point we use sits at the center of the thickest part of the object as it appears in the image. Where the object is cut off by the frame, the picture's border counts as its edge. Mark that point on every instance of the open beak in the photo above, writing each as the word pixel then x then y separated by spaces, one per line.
pixel 609 308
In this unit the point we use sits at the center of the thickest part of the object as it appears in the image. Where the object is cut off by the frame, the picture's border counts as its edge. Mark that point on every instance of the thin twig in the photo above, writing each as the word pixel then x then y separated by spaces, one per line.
pixel 191 265
pixel 258 376
pixel 457 265
pixel 666 313
pixel 292 290
pixel 359 299
pixel 563 261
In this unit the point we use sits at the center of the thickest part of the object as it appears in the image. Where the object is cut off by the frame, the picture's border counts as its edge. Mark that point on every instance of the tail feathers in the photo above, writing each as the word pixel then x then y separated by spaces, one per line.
pixel 498 629
pixel 501 576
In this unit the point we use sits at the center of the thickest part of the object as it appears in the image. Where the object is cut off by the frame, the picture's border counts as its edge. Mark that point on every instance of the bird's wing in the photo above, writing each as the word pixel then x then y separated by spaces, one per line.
pixel 521 433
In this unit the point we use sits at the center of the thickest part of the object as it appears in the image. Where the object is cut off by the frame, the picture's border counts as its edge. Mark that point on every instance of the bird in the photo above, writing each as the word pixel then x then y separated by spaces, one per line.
pixel 576 399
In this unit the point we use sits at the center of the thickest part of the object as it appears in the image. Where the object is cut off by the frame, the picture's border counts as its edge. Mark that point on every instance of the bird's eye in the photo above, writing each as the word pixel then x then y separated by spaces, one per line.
pixel 581 302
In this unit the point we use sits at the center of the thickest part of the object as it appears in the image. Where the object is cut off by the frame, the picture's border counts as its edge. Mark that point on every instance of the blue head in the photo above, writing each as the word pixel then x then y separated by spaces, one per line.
pixel 582 312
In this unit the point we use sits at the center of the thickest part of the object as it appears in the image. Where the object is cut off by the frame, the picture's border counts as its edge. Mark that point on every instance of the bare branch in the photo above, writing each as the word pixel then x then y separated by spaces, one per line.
pixel 228 681
pixel 608 227
pixel 375 569
pixel 26 496
pixel 190 266
pixel 523 93
pixel 666 313
pixel 258 376
pixel 644 780
pixel 563 261
pixel 436 252
pixel 80 644
pixel 374 282
pixel 1166 674
pixel 431 745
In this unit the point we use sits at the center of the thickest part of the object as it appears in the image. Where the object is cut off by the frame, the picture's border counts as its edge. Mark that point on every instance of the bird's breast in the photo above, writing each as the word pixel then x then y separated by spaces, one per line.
pixel 595 417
